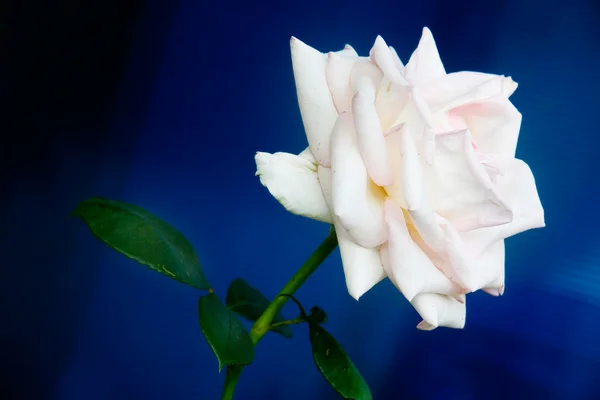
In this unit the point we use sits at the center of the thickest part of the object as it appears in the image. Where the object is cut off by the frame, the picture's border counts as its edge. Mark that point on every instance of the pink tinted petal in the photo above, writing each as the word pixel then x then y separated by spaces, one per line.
pixel 357 201
pixel 460 187
pixel 339 69
pixel 461 88
pixel 439 310
pixel 495 125
pixel 516 185
pixel 370 137
pixel 383 58
pixel 409 268
pixel 315 101
pixel 348 51
pixel 425 64
pixel 438 235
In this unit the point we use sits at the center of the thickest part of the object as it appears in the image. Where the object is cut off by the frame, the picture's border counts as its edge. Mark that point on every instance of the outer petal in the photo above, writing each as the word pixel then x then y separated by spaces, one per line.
pixel 516 184
pixel 357 201
pixel 460 188
pixel 425 64
pixel 315 101
pixel 495 125
pixel 397 61
pixel 293 181
pixel 409 267
pixel 339 69
pixel 383 57
pixel 362 266
pixel 370 136
pixel 443 243
pixel 439 310
pixel 461 88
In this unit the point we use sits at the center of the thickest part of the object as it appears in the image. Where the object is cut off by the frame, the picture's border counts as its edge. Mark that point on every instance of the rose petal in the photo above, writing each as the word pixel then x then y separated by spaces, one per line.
pixel 460 189
pixel 382 56
pixel 440 310
pixel 293 181
pixel 409 267
pixel 424 64
pixel 397 61
pixel 495 125
pixel 357 201
pixel 461 88
pixel 370 137
pixel 339 69
pixel 315 101
pixel 444 244
pixel 490 269
pixel 516 185
pixel 362 266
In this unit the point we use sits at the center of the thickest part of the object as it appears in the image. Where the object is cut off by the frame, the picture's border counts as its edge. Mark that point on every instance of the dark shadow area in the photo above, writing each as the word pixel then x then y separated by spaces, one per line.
pixel 70 104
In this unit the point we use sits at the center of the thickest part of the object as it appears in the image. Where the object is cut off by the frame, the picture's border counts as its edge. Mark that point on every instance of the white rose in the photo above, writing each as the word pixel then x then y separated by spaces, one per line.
pixel 416 169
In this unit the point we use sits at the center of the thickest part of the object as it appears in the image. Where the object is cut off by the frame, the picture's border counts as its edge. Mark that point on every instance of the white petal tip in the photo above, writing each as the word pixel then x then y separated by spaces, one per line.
pixel 424 326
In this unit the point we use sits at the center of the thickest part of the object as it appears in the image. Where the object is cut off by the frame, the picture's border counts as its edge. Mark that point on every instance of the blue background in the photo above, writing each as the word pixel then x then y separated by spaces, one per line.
pixel 164 104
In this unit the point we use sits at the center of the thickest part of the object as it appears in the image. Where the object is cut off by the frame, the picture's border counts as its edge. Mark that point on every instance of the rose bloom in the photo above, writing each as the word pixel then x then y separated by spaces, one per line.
pixel 414 167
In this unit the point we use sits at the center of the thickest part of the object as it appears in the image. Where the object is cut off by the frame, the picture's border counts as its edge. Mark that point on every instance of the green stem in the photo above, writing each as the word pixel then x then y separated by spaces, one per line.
pixel 263 324
pixel 298 320
pixel 231 377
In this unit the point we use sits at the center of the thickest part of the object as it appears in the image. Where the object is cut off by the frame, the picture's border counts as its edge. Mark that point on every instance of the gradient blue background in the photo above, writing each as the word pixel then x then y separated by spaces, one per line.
pixel 164 104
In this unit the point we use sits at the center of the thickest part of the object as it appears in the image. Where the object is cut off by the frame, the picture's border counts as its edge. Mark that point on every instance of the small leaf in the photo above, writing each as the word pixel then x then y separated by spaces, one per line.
pixel 224 332
pixel 317 315
pixel 141 236
pixel 248 302
pixel 336 367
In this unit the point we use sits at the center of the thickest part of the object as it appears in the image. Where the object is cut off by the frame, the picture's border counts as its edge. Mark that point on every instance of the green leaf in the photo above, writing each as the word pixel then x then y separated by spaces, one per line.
pixel 141 236
pixel 248 302
pixel 224 332
pixel 336 367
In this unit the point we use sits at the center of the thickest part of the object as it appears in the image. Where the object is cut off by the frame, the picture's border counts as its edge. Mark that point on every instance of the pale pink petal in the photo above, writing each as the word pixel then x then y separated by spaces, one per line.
pixel 425 64
pixel 390 102
pixel 495 125
pixel 357 201
pixel 349 50
pixel 382 56
pixel 365 75
pixel 460 187
pixel 293 181
pixel 462 88
pixel 409 267
pixel 394 145
pixel 339 69
pixel 397 61
pixel 442 241
pixel 370 137
pixel 440 310
pixel 490 266
pixel 315 101
pixel 516 185
pixel 362 266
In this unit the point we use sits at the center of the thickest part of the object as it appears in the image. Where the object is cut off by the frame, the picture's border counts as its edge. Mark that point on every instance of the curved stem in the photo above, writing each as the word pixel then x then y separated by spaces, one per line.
pixel 263 324
pixel 294 321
